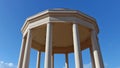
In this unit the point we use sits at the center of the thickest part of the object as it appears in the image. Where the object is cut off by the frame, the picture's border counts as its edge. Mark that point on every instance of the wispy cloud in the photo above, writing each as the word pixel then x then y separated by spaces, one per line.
pixel 87 65
pixel 7 65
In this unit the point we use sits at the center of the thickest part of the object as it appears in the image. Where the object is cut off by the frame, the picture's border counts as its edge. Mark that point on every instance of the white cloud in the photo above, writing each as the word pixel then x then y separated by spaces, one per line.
pixel 87 65
pixel 106 65
pixel 7 65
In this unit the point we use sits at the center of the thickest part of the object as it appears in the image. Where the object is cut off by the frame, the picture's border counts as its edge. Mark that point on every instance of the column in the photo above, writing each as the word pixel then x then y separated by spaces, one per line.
pixel 92 58
pixel 66 61
pixel 97 57
pixel 38 59
pixel 48 47
pixel 27 50
pixel 77 51
pixel 100 54
pixel 52 60
pixel 20 61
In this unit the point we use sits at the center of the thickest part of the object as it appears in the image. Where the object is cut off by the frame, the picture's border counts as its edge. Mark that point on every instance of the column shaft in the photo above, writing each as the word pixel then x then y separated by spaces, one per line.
pixel 102 64
pixel 77 51
pixel 97 57
pixel 27 50
pixel 52 60
pixel 48 49
pixel 21 56
pixel 92 58
pixel 38 59
pixel 66 61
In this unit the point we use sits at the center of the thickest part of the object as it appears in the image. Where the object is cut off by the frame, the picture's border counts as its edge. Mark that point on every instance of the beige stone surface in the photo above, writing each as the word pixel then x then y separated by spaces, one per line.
pixel 62 20
pixel 60 31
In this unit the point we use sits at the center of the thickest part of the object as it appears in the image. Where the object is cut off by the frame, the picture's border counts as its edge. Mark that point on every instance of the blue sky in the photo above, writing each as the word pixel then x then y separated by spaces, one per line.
pixel 14 12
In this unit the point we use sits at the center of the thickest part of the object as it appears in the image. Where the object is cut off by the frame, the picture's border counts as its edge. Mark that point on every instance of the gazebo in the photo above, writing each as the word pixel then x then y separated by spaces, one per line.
pixel 60 31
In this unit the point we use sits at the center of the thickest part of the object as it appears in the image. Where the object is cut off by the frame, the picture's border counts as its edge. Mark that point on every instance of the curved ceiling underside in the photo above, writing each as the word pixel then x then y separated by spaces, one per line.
pixel 62 37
